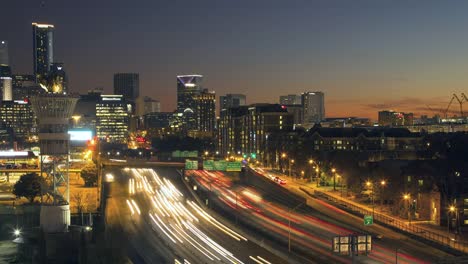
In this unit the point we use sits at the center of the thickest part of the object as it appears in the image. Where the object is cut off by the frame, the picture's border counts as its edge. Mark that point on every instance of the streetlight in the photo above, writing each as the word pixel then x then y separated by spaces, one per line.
pixel 382 185
pixel 283 156
pixel 371 186
pixel 334 178
pixel 341 184
pixel 289 224
pixel 407 198
pixel 291 161
pixel 451 210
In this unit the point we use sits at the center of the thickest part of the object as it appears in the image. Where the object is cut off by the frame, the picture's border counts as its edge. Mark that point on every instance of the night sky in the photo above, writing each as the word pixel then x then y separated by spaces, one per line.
pixel 365 55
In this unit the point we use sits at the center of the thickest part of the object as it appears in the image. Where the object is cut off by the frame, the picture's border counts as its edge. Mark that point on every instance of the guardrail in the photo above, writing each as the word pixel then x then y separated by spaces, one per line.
pixel 411 229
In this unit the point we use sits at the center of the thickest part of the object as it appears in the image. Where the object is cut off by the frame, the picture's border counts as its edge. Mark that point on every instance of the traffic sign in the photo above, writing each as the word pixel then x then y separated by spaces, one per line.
pixel 191 164
pixel 368 220
pixel 208 165
pixel 220 165
pixel 234 166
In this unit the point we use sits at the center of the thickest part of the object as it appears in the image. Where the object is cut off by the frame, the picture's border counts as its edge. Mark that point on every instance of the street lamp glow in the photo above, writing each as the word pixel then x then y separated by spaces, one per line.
pixel 406 196
pixel 452 208
pixel 283 155
pixel 17 232
pixel 292 161
pixel 311 161
pixel 206 153
pixel 368 183
pixel 383 183
pixel 333 170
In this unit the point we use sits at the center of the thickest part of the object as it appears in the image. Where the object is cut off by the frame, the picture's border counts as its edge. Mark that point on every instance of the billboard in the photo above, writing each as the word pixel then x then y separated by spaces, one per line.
pixel 80 135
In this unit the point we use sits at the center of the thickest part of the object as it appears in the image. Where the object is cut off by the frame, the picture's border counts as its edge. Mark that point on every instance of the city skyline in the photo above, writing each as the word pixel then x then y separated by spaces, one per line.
pixel 401 56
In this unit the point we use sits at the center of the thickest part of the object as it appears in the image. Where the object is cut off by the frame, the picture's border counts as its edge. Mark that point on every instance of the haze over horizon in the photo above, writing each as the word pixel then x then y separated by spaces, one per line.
pixel 365 56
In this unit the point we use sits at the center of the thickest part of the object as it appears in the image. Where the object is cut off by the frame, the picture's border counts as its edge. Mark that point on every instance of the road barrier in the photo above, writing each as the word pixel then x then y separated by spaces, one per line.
pixel 396 223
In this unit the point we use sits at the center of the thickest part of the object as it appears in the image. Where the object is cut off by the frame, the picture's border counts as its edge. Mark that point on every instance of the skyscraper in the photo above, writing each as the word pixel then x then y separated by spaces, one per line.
pixel 313 104
pixel 4 53
pixel 112 119
pixel 188 86
pixel 43 49
pixel 128 85
pixel 206 111
pixel 231 100
pixel 7 88
pixel 291 99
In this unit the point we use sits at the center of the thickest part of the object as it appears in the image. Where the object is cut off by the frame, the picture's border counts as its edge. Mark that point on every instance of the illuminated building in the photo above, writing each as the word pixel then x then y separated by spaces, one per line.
pixel 6 87
pixel 188 86
pixel 206 111
pixel 296 111
pixel 19 116
pixel 313 104
pixel 57 79
pixel 392 118
pixel 112 118
pixel 43 49
pixel 245 129
pixel 291 99
pixel 128 85
pixel 231 100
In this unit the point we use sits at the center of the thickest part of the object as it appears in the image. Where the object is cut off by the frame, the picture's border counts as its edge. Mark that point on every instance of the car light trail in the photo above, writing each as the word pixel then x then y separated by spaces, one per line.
pixel 131 207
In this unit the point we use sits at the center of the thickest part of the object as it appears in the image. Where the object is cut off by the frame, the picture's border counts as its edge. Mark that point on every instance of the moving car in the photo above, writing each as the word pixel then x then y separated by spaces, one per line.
pixel 279 180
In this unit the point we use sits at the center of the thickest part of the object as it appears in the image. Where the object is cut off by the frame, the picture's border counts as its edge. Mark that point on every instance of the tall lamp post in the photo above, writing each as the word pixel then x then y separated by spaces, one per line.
pixel 291 161
pixel 317 170
pixel 383 183
pixel 371 186
pixel 334 178
pixel 407 198
pixel 283 156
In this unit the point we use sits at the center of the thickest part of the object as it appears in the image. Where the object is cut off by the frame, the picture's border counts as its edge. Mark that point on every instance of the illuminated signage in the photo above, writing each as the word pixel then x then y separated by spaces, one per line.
pixel 80 135
pixel 111 99
pixel 13 153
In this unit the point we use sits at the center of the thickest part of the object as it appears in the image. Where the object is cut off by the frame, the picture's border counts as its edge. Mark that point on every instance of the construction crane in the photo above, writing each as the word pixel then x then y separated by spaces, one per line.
pixel 464 97
pixel 460 102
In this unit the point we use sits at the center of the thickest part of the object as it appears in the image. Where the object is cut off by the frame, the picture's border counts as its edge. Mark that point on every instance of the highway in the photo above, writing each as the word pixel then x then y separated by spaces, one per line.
pixel 163 225
pixel 311 229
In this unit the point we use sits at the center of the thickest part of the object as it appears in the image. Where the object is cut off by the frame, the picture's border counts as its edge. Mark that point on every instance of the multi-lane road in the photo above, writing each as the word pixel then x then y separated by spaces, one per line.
pixel 164 225
pixel 153 217
pixel 310 229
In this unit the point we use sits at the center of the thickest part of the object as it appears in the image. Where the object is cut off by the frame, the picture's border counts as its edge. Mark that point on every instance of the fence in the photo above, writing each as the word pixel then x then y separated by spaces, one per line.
pixel 414 230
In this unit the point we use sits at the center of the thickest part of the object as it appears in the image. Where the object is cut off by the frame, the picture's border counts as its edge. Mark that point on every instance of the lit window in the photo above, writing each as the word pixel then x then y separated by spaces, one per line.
pixel 420 182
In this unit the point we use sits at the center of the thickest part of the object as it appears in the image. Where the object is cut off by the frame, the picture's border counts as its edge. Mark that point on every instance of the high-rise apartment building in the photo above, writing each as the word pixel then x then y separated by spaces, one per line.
pixel 128 85
pixel 112 119
pixel 205 111
pixel 231 100
pixel 43 49
pixel 290 99
pixel 4 60
pixel 313 104
pixel 244 129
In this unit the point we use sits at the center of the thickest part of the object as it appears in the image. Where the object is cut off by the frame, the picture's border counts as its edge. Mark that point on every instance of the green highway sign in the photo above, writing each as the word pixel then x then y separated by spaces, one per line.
pixel 184 154
pixel 234 166
pixel 208 165
pixel 191 165
pixel 368 220
pixel 220 165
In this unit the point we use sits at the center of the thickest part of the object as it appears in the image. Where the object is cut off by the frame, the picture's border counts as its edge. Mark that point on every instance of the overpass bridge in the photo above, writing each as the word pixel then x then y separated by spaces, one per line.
pixel 137 163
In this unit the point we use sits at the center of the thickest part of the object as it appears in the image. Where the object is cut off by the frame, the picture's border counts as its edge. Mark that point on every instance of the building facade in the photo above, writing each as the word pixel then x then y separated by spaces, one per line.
pixel 290 99
pixel 43 49
pixel 6 85
pixel 206 111
pixel 313 104
pixel 128 85
pixel 392 118
pixel 19 116
pixel 188 86
pixel 146 105
pixel 112 119
pixel 244 130
pixel 231 100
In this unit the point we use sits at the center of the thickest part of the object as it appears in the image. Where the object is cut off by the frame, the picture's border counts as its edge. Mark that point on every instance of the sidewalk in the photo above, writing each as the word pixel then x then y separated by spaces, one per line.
pixel 418 228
